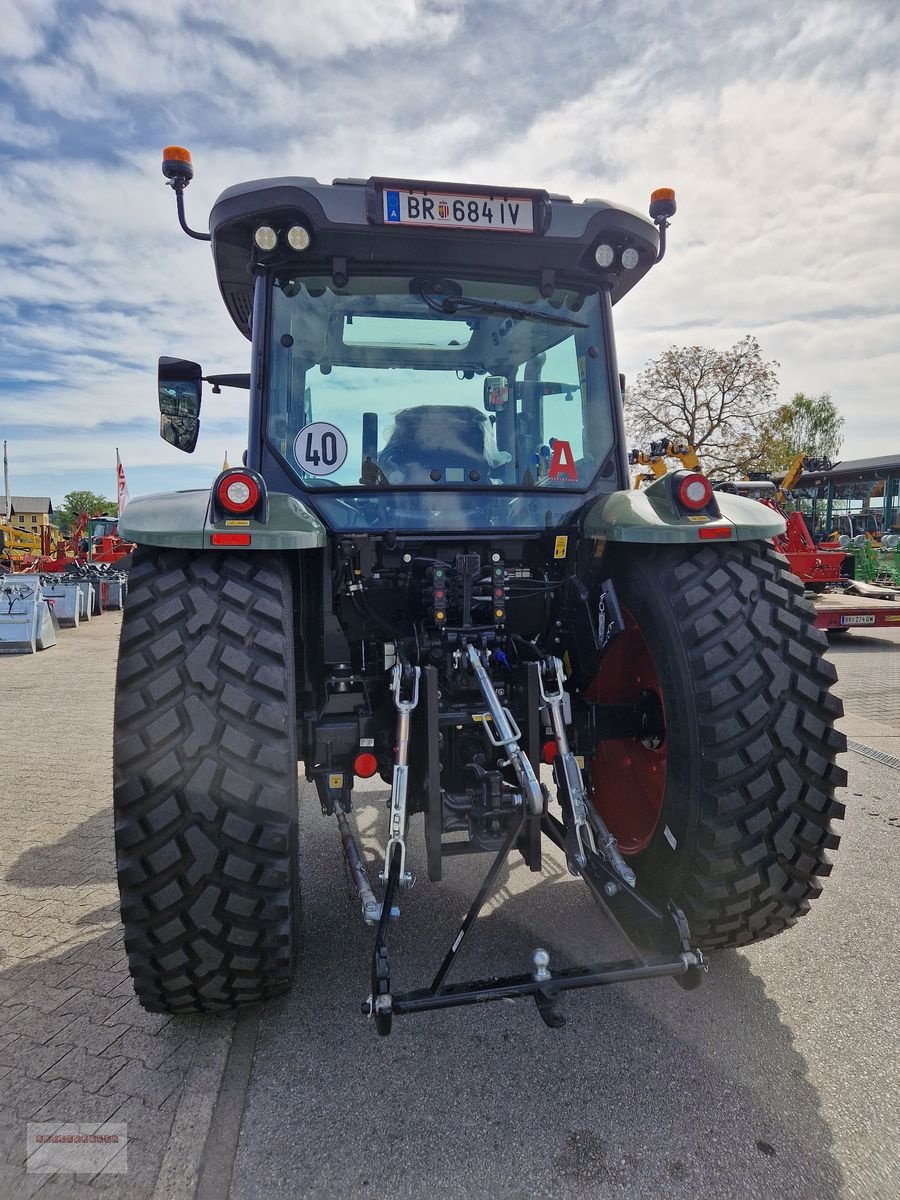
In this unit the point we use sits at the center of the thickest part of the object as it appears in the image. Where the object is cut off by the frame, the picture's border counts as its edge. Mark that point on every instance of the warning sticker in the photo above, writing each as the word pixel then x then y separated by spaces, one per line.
pixel 560 548
pixel 335 781
pixel 320 448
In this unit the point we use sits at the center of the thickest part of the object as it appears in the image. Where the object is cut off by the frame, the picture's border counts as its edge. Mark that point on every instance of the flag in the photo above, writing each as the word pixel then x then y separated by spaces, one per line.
pixel 225 463
pixel 8 513
pixel 121 485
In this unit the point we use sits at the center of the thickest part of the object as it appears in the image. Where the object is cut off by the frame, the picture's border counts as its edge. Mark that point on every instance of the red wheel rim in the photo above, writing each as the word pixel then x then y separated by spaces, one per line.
pixel 628 776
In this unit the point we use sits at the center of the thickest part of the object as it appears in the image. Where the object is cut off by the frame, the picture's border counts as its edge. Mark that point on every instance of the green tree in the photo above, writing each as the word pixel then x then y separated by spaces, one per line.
pixel 720 401
pixel 78 502
pixel 808 425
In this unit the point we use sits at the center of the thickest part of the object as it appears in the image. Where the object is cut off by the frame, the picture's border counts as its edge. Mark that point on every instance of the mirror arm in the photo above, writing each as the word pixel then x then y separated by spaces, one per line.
pixel 232 381
pixel 177 186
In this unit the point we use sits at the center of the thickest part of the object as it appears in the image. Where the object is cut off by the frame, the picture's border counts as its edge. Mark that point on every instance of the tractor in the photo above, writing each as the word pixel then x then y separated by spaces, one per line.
pixel 430 570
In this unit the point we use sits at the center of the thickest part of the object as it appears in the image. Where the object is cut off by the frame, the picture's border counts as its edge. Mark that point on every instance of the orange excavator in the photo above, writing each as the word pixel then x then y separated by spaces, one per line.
pixel 656 457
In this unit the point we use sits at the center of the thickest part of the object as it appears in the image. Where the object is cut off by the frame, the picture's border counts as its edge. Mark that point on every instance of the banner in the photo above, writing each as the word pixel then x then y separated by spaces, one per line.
pixel 121 485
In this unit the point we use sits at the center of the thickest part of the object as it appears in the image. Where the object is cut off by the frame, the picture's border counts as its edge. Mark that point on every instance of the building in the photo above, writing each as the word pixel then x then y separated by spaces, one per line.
pixel 859 495
pixel 32 514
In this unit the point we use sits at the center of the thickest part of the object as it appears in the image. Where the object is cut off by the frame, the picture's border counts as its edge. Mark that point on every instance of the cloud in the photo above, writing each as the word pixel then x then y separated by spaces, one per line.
pixel 24 24
pixel 16 133
pixel 775 123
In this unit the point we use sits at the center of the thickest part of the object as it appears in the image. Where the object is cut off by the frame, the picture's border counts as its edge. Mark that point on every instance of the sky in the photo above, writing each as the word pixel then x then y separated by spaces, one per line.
pixel 778 124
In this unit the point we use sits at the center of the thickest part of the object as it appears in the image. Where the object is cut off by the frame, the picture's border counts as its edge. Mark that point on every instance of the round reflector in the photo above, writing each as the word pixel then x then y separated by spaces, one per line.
pixel 238 493
pixel 695 491
pixel 365 765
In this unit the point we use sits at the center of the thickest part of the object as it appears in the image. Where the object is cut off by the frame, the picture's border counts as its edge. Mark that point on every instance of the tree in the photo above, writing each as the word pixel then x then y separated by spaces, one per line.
pixel 810 425
pixel 76 503
pixel 718 400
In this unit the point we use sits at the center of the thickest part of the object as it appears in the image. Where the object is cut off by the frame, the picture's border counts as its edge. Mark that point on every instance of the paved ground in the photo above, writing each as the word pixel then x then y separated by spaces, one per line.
pixel 869 668
pixel 778 1078
pixel 74 1043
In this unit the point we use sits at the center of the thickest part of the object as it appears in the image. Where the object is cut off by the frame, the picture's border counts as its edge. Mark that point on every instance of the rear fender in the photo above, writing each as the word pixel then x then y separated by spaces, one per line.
pixel 182 519
pixel 650 515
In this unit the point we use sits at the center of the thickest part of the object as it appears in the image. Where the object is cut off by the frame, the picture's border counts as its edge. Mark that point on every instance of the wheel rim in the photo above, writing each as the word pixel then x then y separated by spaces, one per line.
pixel 628 775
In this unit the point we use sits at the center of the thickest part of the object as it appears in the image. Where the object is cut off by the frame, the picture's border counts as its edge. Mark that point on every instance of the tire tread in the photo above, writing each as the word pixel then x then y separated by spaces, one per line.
pixel 205 779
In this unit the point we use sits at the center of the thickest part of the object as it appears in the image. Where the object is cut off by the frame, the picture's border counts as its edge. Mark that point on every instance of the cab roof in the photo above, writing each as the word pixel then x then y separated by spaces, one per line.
pixel 348 235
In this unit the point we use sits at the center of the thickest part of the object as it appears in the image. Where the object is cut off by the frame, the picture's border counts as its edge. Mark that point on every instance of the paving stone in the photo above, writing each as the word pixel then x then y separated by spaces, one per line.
pixel 151 1050
pixel 51 974
pixel 9 988
pixel 73 1103
pixel 152 1086
pixel 98 981
pixel 22 1185
pixel 12 1136
pixel 147 1124
pixel 131 1013
pixel 47 999
pixel 81 1031
pixel 30 1057
pixel 25 1096
pixel 97 1008
pixel 92 1071
pixel 61 1186
pixel 38 1026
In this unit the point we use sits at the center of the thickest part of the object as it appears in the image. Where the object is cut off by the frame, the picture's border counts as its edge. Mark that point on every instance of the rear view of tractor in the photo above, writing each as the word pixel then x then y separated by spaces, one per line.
pixel 431 569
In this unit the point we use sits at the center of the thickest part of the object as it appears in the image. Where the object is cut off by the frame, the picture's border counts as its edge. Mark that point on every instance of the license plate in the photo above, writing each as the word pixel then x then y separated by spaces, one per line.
pixel 867 619
pixel 456 210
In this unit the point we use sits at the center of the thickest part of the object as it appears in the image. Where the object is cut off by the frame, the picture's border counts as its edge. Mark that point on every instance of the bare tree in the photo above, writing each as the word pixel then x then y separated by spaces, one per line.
pixel 718 400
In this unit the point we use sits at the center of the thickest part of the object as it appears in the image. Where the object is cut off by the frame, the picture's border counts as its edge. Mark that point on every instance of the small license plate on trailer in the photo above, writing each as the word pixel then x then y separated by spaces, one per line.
pixel 458 210
pixel 858 619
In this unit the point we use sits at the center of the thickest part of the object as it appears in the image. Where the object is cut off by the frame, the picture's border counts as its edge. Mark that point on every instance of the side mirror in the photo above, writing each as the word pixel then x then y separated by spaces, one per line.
pixel 496 393
pixel 179 384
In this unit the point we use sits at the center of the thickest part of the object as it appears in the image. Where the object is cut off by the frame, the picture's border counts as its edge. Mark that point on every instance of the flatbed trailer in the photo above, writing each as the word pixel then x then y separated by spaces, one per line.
pixel 838 610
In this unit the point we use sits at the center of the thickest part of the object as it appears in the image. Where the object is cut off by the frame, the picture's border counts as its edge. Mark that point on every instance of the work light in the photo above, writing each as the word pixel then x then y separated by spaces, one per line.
pixel 298 237
pixel 604 255
pixel 266 238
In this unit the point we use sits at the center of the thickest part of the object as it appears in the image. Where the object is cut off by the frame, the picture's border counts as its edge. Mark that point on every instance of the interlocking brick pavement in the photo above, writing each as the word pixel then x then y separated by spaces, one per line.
pixel 74 1043
pixel 868 666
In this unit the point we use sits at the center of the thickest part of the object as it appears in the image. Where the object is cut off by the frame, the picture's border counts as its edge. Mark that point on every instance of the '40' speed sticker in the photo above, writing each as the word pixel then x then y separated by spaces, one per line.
pixel 320 448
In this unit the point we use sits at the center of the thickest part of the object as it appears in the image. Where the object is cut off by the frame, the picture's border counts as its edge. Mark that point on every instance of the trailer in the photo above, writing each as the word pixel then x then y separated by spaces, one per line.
pixel 839 612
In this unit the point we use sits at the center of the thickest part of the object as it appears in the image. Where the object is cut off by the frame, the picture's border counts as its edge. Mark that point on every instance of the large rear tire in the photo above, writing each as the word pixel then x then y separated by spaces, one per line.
pixel 730 814
pixel 205 773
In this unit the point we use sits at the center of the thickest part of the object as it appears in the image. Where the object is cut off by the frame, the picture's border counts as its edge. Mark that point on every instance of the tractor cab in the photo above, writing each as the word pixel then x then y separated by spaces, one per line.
pixel 427 355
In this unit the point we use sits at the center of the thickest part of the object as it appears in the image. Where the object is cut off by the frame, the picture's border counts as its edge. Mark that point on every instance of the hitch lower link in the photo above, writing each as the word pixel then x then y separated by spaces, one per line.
pixel 400 776
pixel 660 941
pixel 570 785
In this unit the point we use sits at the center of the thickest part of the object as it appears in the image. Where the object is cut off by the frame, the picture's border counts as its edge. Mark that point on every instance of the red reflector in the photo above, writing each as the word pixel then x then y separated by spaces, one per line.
pixel 714 532
pixel 548 751
pixel 695 491
pixel 365 765
pixel 238 492
pixel 229 539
